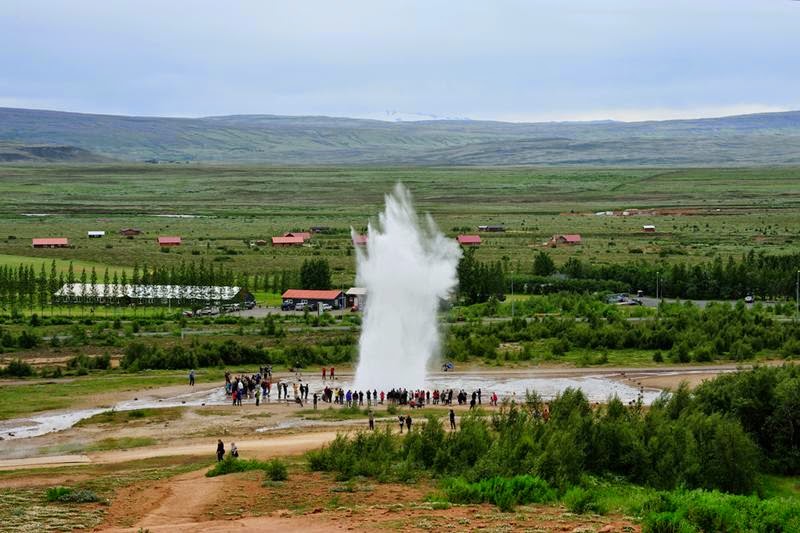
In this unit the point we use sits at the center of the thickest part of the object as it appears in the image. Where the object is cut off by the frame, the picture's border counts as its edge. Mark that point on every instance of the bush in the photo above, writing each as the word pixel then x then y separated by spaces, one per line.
pixel 506 493
pixel 581 501
pixel 68 495
pixel 17 368
pixel 275 469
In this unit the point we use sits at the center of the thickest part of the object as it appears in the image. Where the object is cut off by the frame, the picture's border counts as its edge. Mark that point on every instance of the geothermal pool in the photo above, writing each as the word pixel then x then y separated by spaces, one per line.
pixel 598 388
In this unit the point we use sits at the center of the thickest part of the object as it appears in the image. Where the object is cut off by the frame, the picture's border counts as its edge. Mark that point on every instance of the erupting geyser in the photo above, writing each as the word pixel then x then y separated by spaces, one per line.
pixel 407 268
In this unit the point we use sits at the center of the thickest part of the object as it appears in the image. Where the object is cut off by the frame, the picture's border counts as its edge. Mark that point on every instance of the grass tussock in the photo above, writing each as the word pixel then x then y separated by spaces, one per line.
pixel 274 469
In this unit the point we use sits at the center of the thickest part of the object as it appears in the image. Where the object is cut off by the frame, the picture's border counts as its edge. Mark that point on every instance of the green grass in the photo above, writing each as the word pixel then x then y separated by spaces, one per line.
pixel 62 265
pixel 70 392
pixel 111 443
pixel 149 416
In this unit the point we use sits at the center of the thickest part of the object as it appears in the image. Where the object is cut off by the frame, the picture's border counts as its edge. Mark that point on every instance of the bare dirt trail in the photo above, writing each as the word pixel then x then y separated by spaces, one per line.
pixel 259 448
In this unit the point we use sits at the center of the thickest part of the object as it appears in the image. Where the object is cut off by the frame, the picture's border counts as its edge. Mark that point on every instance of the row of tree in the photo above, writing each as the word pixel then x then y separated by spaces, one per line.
pixel 768 276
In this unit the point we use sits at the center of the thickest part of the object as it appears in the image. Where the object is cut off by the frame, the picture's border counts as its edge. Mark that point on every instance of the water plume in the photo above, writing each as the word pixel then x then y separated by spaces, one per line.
pixel 407 268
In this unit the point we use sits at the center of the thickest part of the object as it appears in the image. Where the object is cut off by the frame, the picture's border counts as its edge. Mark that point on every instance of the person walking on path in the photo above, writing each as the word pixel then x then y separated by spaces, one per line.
pixel 315 400
pixel 220 450
pixel 402 421
pixel 191 378
pixel 234 451
pixel 452 420
pixel 323 373
pixel 371 420
pixel 408 423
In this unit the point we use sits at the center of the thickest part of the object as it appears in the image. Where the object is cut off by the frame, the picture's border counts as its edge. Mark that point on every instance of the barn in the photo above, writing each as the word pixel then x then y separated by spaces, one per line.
pixel 169 241
pixel 356 298
pixel 95 234
pixel 649 228
pixel 50 242
pixel 570 239
pixel 287 241
pixel 312 298
pixel 469 240
pixel 305 235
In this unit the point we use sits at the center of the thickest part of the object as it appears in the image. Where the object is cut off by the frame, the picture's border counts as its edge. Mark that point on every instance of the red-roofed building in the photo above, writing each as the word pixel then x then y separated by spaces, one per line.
pixel 565 239
pixel 53 242
pixel 305 235
pixel 287 241
pixel 360 240
pixel 469 240
pixel 301 299
pixel 169 241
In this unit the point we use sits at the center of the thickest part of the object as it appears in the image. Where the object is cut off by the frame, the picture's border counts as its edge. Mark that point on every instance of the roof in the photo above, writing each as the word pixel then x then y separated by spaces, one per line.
pixel 574 237
pixel 469 239
pixel 360 240
pixel 51 241
pixel 145 292
pixel 356 291
pixel 302 294
pixel 169 240
pixel 288 240
pixel 302 234
pixel 95 232
pixel 649 226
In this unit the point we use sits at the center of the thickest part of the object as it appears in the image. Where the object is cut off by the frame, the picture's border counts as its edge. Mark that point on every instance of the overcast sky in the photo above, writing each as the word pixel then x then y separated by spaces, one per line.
pixel 523 60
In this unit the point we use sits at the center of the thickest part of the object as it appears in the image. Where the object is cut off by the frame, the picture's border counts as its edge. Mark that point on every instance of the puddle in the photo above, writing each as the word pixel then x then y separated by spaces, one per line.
pixel 598 388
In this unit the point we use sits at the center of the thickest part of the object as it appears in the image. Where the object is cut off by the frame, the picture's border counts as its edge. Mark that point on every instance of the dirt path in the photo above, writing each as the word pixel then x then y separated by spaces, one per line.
pixel 267 447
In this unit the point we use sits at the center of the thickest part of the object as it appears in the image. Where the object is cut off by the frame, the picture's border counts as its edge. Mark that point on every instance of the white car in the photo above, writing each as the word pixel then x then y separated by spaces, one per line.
pixel 749 299
pixel 327 307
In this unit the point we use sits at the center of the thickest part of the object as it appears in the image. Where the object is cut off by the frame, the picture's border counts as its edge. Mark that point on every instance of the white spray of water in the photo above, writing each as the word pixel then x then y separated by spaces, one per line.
pixel 407 268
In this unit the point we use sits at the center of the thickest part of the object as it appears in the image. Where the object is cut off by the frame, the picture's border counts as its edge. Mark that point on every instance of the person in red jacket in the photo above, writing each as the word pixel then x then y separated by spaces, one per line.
pixel 332 373
pixel 323 373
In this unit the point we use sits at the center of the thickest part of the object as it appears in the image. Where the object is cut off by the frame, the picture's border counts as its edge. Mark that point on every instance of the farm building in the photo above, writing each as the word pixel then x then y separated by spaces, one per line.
pixel 53 242
pixel 169 241
pixel 302 234
pixel 565 239
pixel 469 240
pixel 334 298
pixel 360 240
pixel 151 294
pixel 287 241
pixel 130 232
pixel 356 297
pixel 649 228
pixel 259 242
pixel 95 234
pixel 492 229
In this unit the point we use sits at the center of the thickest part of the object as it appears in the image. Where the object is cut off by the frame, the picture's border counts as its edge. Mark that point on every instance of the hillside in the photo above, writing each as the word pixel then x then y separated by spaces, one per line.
pixel 758 139
pixel 46 153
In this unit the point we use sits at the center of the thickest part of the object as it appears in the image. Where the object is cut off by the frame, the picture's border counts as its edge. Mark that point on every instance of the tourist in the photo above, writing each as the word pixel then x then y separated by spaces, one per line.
pixel 332 373
pixel 233 395
pixel 452 420
pixel 191 378
pixel 220 450
pixel 408 423
pixel 382 396
pixel 371 420
pixel 479 396
pixel 258 396
pixel 323 373
pixel 315 400
pixel 234 451
pixel 369 398
pixel 402 421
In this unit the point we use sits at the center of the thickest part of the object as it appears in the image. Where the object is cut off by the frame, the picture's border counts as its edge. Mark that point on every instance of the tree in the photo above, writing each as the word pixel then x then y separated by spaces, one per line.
pixel 543 265
pixel 315 274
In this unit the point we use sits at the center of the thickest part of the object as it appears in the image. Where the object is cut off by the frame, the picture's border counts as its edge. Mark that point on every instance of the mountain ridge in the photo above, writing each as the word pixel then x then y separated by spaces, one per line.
pixel 753 139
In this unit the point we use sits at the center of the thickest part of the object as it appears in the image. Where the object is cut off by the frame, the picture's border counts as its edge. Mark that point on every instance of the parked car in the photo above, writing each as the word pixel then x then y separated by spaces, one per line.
pixel 300 306
pixel 187 314
pixel 327 307
pixel 250 304
pixel 749 299
pixel 287 305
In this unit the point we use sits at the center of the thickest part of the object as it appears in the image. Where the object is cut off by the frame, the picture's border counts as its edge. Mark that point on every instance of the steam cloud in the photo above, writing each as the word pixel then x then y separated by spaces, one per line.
pixel 407 268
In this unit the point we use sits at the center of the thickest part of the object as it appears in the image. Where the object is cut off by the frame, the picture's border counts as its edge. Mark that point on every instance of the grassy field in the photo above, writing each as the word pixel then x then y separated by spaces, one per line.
pixel 698 213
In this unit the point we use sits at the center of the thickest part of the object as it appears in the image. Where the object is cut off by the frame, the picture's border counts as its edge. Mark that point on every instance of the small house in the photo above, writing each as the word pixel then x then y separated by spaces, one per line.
pixel 287 241
pixel 649 228
pixel 260 242
pixel 96 234
pixel 469 240
pixel 356 297
pixel 570 239
pixel 130 232
pixel 52 242
pixel 169 241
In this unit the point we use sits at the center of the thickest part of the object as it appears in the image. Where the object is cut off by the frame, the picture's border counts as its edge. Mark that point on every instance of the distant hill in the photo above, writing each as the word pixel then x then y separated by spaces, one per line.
pixel 21 153
pixel 758 139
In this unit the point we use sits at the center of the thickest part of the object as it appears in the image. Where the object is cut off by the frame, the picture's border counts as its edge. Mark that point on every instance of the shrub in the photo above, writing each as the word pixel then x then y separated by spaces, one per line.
pixel 580 501
pixel 17 368
pixel 68 495
pixel 276 470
